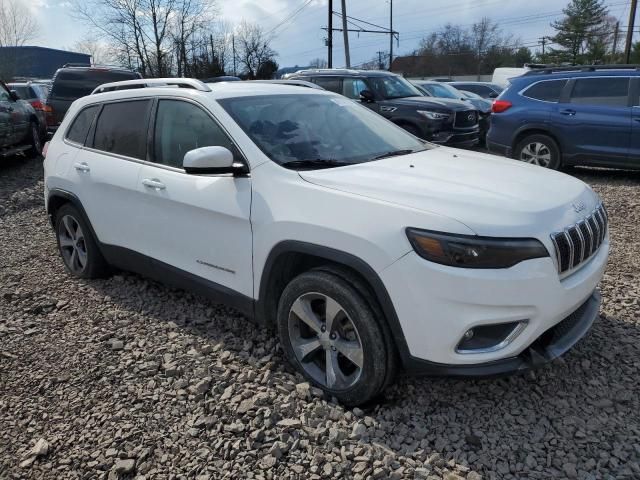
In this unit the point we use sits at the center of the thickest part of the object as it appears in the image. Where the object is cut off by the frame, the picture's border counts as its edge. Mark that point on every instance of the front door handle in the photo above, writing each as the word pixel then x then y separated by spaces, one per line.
pixel 82 167
pixel 568 112
pixel 153 183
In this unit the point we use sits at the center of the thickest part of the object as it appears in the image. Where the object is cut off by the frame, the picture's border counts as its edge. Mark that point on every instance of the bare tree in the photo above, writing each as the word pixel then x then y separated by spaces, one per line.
pixel 253 48
pixel 17 25
pixel 99 51
pixel 318 63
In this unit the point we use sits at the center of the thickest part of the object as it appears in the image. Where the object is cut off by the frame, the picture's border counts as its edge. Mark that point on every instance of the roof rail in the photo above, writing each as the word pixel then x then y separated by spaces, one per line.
pixel 579 68
pixel 77 64
pixel 153 82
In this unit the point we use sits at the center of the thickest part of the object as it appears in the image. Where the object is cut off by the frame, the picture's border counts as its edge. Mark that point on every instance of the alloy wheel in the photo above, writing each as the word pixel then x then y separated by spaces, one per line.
pixel 325 341
pixel 536 153
pixel 37 144
pixel 72 244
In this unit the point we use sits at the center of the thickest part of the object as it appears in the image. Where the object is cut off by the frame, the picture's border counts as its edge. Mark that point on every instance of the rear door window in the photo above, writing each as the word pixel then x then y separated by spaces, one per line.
pixel 605 92
pixel 122 128
pixel 547 91
pixel 333 84
pixel 81 124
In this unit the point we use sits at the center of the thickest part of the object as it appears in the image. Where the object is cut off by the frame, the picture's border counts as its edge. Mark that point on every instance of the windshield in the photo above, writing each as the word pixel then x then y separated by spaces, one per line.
pixel 442 90
pixel 389 87
pixel 316 128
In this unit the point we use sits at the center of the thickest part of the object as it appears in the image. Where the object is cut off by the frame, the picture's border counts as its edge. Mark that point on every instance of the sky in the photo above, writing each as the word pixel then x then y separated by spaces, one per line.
pixel 300 39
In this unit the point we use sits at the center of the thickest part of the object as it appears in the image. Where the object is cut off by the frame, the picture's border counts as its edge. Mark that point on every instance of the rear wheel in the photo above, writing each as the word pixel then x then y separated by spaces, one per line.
pixel 539 150
pixel 78 248
pixel 35 139
pixel 331 335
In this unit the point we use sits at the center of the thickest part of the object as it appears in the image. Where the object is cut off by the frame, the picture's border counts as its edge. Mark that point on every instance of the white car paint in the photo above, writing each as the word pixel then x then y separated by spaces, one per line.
pixel 363 210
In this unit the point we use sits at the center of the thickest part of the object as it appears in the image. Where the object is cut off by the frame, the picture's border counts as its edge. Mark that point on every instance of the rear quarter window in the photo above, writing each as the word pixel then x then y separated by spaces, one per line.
pixel 546 91
pixel 81 124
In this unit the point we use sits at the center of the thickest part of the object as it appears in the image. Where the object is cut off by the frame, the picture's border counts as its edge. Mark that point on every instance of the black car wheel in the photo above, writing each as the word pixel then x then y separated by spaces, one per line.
pixel 35 139
pixel 330 333
pixel 539 150
pixel 78 248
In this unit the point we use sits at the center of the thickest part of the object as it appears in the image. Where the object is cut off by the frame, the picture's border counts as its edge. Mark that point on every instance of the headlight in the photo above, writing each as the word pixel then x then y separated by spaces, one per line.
pixel 433 115
pixel 470 251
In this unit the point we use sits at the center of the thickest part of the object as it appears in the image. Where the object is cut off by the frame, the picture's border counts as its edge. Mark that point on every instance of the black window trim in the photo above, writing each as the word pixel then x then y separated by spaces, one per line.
pixel 152 129
pixel 561 97
pixel 92 129
pixel 566 97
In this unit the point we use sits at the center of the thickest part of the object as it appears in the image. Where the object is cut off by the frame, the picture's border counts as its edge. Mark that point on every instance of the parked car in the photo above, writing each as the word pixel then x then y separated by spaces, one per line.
pixel 445 90
pixel 19 126
pixel 484 89
pixel 222 78
pixel 297 83
pixel 74 81
pixel 570 116
pixel 366 248
pixel 437 120
pixel 36 95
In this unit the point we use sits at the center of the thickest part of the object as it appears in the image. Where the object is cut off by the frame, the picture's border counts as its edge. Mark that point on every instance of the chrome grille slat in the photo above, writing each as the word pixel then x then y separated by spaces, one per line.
pixel 579 242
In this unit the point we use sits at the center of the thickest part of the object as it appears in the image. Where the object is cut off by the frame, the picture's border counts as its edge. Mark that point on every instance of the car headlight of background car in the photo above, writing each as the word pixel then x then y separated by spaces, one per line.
pixel 468 251
pixel 433 115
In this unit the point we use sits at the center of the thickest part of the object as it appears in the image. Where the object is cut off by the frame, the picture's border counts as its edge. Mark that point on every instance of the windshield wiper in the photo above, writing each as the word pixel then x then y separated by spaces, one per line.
pixel 314 164
pixel 395 153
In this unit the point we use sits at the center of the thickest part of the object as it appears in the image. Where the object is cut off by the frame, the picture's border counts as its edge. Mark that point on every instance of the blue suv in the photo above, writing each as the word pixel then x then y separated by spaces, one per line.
pixel 570 116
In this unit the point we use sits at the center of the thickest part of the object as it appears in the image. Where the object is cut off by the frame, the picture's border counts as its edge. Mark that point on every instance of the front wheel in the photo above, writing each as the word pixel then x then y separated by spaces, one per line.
pixel 35 139
pixel 331 335
pixel 540 150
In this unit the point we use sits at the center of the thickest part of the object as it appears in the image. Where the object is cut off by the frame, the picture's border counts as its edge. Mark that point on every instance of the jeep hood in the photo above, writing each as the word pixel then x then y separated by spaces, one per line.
pixel 491 195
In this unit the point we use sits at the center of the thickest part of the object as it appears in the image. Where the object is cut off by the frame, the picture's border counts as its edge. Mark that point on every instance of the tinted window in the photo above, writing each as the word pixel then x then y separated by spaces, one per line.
pixel 122 128
pixel 333 84
pixel 479 89
pixel 81 125
pixel 182 126
pixel 4 95
pixel 23 91
pixel 549 91
pixel 608 92
pixel 392 86
pixel 351 87
pixel 76 84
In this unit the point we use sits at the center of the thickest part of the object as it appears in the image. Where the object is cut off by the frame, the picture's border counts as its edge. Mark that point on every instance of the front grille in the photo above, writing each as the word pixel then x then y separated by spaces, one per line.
pixel 579 242
pixel 465 119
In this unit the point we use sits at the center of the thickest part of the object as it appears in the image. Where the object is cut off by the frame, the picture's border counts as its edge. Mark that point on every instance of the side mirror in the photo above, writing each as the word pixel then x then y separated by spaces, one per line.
pixel 493 95
pixel 211 160
pixel 367 96
pixel 14 95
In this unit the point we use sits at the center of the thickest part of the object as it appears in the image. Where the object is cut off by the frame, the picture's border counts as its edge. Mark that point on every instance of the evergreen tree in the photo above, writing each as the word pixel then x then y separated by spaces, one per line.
pixel 581 22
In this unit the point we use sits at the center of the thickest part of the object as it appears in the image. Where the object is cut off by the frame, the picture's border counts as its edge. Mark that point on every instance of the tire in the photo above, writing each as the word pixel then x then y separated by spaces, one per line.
pixel 77 246
pixel 352 343
pixel 35 139
pixel 539 149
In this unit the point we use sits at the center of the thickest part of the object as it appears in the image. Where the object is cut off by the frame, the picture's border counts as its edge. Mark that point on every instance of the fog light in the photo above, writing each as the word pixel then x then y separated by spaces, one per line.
pixel 490 338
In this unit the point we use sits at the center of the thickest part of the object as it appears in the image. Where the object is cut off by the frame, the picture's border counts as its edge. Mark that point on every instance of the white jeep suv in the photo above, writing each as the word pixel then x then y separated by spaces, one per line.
pixel 366 248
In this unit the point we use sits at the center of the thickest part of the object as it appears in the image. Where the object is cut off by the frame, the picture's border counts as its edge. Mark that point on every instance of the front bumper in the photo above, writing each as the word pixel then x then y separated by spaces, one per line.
pixel 437 304
pixel 552 344
pixel 453 139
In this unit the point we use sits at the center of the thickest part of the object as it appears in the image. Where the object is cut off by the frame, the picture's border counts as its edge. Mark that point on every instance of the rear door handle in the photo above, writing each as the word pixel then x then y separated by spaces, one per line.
pixel 568 112
pixel 153 183
pixel 82 167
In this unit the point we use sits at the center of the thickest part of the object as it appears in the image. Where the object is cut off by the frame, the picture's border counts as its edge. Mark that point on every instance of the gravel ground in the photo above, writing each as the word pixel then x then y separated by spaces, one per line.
pixel 125 378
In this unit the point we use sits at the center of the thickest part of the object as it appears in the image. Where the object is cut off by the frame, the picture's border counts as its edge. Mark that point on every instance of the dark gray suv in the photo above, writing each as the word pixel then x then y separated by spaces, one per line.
pixel 450 122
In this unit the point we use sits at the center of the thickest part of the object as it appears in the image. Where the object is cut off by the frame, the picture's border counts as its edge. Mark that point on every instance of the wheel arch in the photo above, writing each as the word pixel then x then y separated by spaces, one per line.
pixel 290 258
pixel 57 198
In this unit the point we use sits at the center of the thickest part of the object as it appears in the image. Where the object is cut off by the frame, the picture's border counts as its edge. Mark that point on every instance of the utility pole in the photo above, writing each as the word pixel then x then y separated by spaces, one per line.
pixel 330 39
pixel 543 42
pixel 345 34
pixel 380 64
pixel 390 34
pixel 632 21
pixel 233 50
pixel 616 32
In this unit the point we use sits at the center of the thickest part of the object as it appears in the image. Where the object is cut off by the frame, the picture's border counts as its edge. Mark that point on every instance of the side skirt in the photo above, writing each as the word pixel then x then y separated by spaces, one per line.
pixel 130 260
